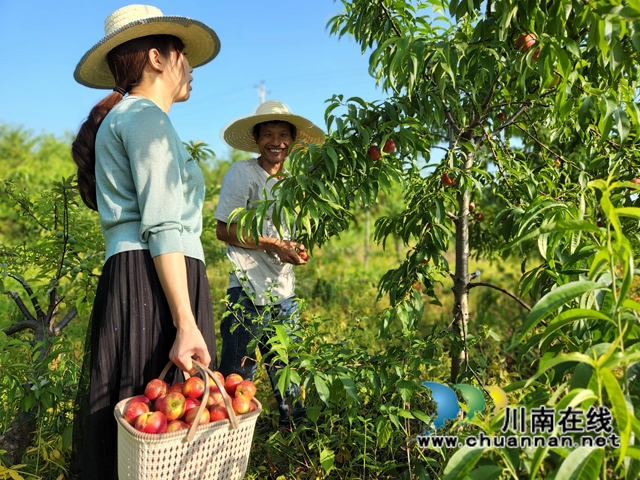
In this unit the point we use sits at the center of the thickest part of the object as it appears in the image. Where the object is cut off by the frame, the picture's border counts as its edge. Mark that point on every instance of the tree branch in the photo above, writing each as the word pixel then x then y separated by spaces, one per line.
pixel 541 144
pixel 488 98
pixel 17 327
pixel 497 160
pixel 393 24
pixel 512 119
pixel 65 321
pixel 447 112
pixel 53 298
pixel 29 290
pixel 25 207
pixel 483 284
pixel 23 308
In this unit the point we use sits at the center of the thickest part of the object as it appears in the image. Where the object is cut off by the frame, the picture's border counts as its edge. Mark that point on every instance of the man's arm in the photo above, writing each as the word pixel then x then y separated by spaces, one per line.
pixel 287 250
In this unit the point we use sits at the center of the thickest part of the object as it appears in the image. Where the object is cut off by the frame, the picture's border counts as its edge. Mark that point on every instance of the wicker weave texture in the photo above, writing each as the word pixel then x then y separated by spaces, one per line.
pixel 216 452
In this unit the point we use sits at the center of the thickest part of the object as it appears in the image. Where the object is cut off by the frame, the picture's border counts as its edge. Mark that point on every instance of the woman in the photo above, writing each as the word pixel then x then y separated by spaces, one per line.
pixel 152 302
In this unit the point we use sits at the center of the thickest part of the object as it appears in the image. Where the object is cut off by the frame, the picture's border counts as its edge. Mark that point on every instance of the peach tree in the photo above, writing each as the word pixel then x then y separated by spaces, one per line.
pixel 50 253
pixel 514 126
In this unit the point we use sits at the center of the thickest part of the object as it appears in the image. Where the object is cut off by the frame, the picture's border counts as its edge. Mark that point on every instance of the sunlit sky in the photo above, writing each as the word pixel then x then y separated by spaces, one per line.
pixel 283 43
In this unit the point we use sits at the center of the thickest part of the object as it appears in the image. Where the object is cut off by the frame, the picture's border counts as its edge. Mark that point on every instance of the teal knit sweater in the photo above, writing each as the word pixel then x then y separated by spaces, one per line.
pixel 150 191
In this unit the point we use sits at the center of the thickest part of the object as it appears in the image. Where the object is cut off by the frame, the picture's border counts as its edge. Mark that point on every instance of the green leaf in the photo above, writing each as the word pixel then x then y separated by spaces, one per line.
pixel 349 386
pixel 536 460
pixel 405 413
pixel 582 464
pixel 405 389
pixel 282 335
pixel 487 472
pixel 28 402
pixel 567 357
pixel 554 300
pixel 383 430
pixel 631 304
pixel 327 457
pixel 569 316
pixel 624 125
pixel 462 462
pixel 619 409
pixel 633 212
pixel 576 397
pixel 572 46
pixel 284 378
pixel 322 389
pixel 374 59
pixel 552 227
pixel 67 437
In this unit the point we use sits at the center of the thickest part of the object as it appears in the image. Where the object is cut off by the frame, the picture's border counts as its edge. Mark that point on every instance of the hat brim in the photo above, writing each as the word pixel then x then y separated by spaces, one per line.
pixel 201 45
pixel 239 134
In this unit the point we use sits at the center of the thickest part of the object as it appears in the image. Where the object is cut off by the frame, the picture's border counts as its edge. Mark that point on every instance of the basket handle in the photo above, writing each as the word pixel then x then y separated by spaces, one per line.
pixel 207 374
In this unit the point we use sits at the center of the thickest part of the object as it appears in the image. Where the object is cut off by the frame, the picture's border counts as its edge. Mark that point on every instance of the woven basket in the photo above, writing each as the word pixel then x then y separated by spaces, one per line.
pixel 218 450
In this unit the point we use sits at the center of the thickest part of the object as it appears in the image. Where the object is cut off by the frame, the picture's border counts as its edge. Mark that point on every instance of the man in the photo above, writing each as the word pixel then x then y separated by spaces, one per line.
pixel 261 281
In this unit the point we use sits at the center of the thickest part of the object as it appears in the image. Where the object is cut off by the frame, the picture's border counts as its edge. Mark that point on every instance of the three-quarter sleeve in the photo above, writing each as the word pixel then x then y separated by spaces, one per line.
pixel 156 167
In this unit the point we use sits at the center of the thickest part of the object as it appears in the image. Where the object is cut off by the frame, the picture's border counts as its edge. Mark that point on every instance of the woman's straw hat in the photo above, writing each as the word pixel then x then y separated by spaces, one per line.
pixel 134 21
pixel 240 133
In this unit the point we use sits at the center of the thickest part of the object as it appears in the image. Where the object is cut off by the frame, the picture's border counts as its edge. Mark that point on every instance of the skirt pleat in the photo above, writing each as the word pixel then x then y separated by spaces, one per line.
pixel 128 342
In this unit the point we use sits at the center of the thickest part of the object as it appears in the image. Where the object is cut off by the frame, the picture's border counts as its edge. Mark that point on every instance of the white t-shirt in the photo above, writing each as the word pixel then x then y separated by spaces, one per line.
pixel 259 271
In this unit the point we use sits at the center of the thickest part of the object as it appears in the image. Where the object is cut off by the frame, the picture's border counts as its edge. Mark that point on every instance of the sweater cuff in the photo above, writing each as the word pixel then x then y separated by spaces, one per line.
pixel 165 241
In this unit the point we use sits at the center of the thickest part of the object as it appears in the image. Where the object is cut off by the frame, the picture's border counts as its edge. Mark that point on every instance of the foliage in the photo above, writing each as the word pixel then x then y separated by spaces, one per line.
pixel 56 258
pixel 49 262
pixel 543 141
pixel 53 381
pixel 543 138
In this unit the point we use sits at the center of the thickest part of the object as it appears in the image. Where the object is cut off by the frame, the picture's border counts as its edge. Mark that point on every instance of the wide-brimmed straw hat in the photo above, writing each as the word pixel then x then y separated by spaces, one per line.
pixel 239 134
pixel 134 21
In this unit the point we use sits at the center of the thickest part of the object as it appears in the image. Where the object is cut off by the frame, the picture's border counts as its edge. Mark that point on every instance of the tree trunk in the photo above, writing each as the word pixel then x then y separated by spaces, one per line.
pixel 18 436
pixel 367 227
pixel 461 278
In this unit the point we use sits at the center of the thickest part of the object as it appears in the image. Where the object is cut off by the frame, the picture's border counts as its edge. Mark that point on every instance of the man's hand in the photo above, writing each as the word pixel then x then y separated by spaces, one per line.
pixel 287 250
pixel 291 252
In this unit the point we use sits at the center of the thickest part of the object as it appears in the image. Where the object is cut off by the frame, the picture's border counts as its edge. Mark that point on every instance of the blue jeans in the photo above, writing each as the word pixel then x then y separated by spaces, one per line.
pixel 234 357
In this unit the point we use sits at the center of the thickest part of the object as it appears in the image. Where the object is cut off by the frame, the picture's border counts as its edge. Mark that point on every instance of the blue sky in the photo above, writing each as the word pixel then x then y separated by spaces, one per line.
pixel 284 43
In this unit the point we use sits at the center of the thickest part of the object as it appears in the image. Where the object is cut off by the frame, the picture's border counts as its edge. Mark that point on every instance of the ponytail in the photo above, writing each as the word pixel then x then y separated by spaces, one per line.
pixel 83 149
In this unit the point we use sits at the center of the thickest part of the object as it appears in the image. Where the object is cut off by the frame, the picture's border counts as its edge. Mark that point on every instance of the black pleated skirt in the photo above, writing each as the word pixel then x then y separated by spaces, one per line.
pixel 128 342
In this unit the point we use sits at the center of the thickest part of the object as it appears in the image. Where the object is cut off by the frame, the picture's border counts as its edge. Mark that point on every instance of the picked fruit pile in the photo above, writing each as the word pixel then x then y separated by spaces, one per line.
pixel 165 408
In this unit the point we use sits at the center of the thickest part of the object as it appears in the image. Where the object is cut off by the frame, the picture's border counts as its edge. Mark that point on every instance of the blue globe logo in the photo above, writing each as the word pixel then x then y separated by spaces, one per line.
pixel 447 401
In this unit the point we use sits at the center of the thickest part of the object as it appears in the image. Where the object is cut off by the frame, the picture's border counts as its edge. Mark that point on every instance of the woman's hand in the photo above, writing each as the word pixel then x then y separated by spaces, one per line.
pixel 189 345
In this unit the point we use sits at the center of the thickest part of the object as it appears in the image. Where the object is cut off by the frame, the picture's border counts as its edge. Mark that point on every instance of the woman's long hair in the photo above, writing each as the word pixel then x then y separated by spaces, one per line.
pixel 127 63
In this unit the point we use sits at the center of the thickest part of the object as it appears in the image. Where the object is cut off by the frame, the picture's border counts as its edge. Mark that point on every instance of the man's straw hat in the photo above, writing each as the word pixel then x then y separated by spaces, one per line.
pixel 240 133
pixel 134 21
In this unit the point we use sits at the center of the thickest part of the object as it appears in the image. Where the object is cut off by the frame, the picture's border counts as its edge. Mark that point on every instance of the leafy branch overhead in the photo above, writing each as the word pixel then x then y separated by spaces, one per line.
pixel 463 82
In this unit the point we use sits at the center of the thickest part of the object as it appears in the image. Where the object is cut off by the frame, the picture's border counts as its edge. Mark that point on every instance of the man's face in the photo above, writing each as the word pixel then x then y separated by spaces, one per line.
pixel 273 141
